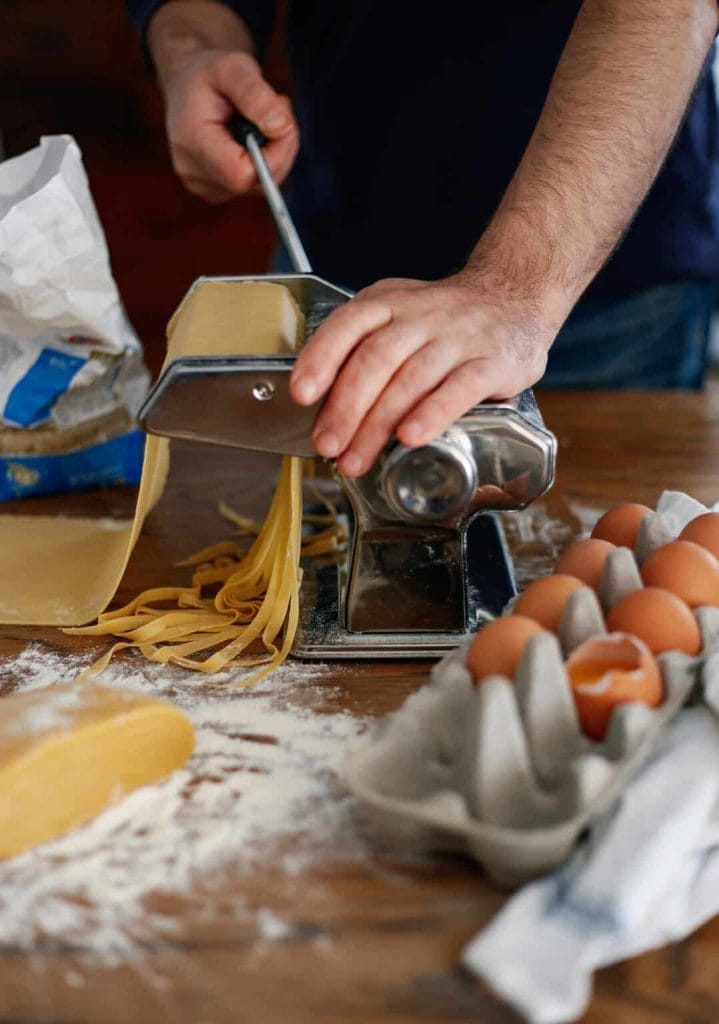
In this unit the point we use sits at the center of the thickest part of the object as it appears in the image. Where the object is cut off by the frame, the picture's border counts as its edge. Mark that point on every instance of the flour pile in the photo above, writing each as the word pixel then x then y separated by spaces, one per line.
pixel 265 768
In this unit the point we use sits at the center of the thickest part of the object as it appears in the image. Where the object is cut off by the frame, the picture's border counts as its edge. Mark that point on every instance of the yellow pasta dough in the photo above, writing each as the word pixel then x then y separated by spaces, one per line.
pixel 225 318
pixel 69 750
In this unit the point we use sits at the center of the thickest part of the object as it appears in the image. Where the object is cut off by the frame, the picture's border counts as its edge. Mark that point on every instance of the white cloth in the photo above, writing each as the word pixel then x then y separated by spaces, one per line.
pixel 649 875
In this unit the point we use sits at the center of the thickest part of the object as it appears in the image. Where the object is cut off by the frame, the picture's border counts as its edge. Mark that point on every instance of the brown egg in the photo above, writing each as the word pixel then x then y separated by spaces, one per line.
pixel 608 670
pixel 688 570
pixel 659 618
pixel 585 559
pixel 704 530
pixel 544 600
pixel 498 647
pixel 620 525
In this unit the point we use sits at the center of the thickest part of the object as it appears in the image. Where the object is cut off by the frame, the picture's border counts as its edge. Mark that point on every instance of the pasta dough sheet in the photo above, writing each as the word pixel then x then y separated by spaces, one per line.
pixel 57 571
pixel 68 751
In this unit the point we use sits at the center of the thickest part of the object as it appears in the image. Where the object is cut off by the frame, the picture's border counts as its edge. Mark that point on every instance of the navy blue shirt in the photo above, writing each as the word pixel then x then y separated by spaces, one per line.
pixel 412 126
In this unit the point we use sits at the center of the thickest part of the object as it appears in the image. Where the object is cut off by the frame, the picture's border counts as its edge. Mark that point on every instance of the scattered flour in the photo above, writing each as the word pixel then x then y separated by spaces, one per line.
pixel 538 539
pixel 265 769
pixel 50 714
pixel 271 927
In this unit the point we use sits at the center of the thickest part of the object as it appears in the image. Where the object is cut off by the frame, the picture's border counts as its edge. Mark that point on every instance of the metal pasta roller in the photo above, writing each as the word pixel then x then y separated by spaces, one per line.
pixel 427 562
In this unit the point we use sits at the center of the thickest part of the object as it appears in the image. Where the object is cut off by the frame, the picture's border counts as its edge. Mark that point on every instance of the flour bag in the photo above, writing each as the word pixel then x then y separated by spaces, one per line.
pixel 72 376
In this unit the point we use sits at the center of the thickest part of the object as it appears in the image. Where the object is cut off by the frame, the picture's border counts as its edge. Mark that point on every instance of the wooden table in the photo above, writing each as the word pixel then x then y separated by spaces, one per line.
pixel 396 930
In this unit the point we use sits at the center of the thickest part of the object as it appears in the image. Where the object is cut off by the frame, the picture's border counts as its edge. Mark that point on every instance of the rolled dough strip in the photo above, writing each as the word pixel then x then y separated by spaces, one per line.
pixel 68 751
pixel 58 571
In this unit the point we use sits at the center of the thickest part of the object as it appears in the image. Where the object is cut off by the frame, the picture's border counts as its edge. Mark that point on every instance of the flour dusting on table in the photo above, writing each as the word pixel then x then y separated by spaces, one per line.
pixel 262 786
pixel 538 539
pixel 264 770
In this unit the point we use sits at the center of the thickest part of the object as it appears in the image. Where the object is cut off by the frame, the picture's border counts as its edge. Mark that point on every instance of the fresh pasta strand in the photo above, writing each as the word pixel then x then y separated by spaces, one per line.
pixel 257 599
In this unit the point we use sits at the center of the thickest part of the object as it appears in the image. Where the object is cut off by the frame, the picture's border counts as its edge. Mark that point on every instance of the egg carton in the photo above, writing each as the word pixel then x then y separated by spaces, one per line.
pixel 503 771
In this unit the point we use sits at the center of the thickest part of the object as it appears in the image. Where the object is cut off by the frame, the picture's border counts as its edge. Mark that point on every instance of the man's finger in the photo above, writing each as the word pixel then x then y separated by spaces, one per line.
pixel 223 161
pixel 463 388
pixel 238 77
pixel 320 360
pixel 280 155
pixel 361 381
pixel 420 375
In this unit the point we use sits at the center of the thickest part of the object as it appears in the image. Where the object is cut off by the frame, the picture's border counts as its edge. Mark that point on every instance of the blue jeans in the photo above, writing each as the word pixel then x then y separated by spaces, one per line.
pixel 655 338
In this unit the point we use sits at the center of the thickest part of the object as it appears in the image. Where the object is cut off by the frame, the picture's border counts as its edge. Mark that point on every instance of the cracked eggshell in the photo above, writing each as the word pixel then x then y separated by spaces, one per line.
pixel 606 671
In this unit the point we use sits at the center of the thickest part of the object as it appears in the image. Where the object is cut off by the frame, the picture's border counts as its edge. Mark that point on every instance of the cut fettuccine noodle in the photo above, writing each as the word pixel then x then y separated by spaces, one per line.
pixel 257 599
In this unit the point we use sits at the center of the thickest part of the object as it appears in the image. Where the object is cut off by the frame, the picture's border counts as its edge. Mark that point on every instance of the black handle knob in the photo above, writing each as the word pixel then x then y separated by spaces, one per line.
pixel 240 127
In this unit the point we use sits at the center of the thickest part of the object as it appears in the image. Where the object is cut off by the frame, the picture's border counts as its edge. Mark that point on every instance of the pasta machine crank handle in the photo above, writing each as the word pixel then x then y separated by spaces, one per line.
pixel 250 136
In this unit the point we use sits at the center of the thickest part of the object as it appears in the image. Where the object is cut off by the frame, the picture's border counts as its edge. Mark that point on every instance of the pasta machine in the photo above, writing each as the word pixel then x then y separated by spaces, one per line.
pixel 427 562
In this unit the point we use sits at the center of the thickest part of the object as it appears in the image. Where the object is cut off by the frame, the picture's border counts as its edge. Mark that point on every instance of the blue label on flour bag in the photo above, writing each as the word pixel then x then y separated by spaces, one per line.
pixel 31 400
pixel 118 461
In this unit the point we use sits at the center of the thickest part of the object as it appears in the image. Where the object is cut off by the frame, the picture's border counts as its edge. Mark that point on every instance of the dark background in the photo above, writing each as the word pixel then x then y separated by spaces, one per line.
pixel 76 68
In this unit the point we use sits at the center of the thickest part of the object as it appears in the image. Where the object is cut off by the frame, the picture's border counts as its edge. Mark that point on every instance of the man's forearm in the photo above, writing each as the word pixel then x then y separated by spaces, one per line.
pixel 181 28
pixel 615 103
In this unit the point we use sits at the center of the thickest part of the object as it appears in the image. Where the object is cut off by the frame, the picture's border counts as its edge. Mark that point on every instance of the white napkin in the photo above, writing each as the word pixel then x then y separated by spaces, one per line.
pixel 679 508
pixel 649 875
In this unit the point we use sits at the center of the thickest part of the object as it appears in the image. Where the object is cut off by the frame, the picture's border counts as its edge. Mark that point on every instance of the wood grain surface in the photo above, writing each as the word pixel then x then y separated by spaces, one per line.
pixel 373 940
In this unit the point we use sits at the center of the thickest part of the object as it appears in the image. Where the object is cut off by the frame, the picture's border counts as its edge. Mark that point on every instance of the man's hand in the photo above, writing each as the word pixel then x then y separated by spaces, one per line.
pixel 207 70
pixel 410 357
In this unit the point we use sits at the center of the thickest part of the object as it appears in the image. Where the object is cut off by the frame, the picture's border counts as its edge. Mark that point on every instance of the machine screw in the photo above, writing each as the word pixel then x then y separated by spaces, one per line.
pixel 263 391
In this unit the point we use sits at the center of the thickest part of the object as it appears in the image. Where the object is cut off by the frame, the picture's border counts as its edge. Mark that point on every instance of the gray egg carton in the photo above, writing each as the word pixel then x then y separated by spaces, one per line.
pixel 503 771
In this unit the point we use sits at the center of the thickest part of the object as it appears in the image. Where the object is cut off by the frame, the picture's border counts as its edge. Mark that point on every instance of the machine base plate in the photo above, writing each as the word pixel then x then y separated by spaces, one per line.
pixel 320 635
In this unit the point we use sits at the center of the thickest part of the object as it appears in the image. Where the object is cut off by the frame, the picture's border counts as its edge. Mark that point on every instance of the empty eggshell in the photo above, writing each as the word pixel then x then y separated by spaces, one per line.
pixel 585 559
pixel 608 670
pixel 659 618
pixel 704 530
pixel 545 599
pixel 687 569
pixel 620 524
pixel 499 646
